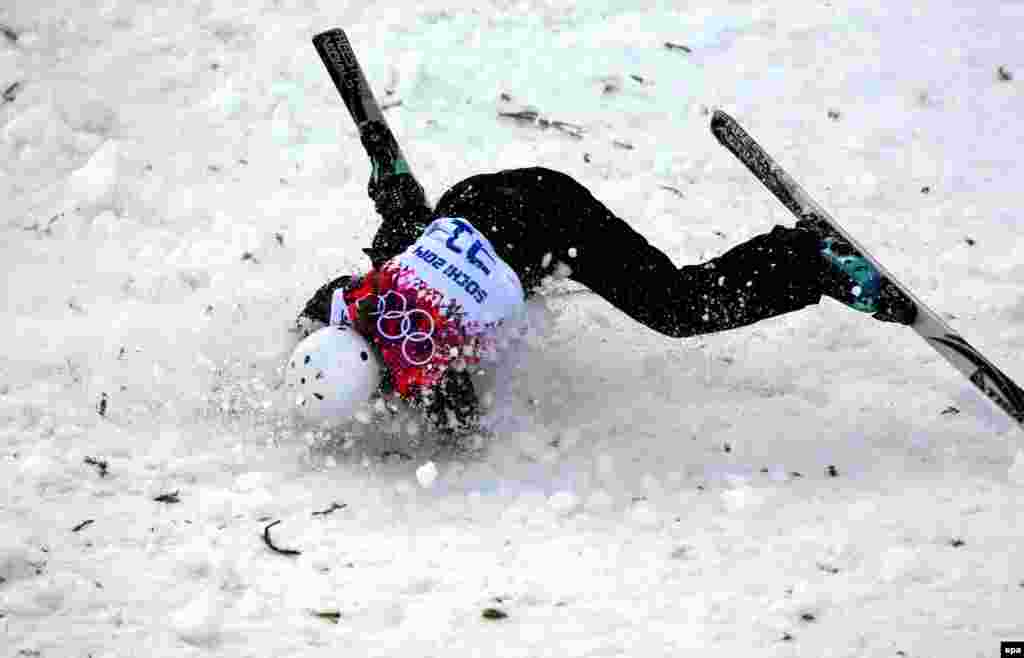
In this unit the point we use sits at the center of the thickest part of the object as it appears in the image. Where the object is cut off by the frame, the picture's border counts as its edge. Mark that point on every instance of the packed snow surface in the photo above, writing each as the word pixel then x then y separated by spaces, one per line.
pixel 178 177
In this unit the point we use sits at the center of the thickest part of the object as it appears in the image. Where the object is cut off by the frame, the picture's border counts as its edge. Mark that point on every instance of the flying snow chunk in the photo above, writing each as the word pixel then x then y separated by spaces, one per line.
pixel 106 223
pixel 199 622
pixel 426 475
pixel 564 502
pixel 363 417
pixel 600 500
pixel 644 514
pixel 94 186
pixel 742 498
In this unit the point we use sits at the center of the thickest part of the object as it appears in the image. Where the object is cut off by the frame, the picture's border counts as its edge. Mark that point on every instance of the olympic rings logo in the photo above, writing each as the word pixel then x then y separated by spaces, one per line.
pixel 408 332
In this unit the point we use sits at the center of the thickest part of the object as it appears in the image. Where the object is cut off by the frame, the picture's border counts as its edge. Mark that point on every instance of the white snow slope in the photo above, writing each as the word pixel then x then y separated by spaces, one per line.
pixel 177 177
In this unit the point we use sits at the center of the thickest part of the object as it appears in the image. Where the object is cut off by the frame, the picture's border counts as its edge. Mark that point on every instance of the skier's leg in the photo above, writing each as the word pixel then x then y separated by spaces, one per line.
pixel 537 218
pixel 768 275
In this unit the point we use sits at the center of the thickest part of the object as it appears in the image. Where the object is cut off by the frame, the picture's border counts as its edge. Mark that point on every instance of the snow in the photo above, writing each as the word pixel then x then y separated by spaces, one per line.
pixel 426 474
pixel 179 177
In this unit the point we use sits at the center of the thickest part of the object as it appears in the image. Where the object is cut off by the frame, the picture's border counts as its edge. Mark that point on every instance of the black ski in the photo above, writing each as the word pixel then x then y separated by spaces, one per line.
pixel 385 155
pixel 981 372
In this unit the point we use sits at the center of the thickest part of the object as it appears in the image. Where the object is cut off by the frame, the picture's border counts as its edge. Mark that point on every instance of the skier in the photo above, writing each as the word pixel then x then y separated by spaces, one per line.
pixel 443 279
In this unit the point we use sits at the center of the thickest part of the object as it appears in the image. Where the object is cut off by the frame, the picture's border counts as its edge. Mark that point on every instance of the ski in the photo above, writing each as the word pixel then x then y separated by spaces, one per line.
pixel 981 372
pixel 381 146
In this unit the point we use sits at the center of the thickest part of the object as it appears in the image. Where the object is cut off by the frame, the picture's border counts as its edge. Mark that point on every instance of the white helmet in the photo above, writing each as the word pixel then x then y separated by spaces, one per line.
pixel 333 370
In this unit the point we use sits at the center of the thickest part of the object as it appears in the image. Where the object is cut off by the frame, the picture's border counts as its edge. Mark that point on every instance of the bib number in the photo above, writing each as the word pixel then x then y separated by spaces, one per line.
pixel 456 229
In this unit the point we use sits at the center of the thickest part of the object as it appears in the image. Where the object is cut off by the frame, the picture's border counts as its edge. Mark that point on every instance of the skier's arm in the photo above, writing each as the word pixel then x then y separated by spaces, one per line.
pixel 400 203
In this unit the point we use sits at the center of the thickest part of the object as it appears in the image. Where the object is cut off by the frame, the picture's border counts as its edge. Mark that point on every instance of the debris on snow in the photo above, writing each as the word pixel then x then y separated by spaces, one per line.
pixel 333 616
pixel 1004 74
pixel 330 510
pixel 100 464
pixel 168 498
pixel 678 46
pixel 533 117
pixel 611 84
pixel 83 525
pixel 11 92
pixel 681 552
pixel 270 544
pixel 493 614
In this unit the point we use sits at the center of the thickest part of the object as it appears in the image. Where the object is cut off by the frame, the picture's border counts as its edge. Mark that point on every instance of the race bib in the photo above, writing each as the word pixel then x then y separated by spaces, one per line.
pixel 453 258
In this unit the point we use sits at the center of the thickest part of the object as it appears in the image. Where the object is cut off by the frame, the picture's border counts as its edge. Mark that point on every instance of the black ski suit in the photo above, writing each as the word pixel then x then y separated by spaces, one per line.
pixel 536 218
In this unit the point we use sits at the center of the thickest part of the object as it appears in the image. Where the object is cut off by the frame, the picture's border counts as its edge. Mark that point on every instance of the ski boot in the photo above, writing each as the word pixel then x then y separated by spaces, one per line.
pixel 851 279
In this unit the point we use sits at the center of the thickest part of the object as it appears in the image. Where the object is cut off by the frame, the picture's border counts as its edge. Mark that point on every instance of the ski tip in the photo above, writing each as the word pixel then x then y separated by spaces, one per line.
pixel 720 123
pixel 719 118
pixel 328 34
